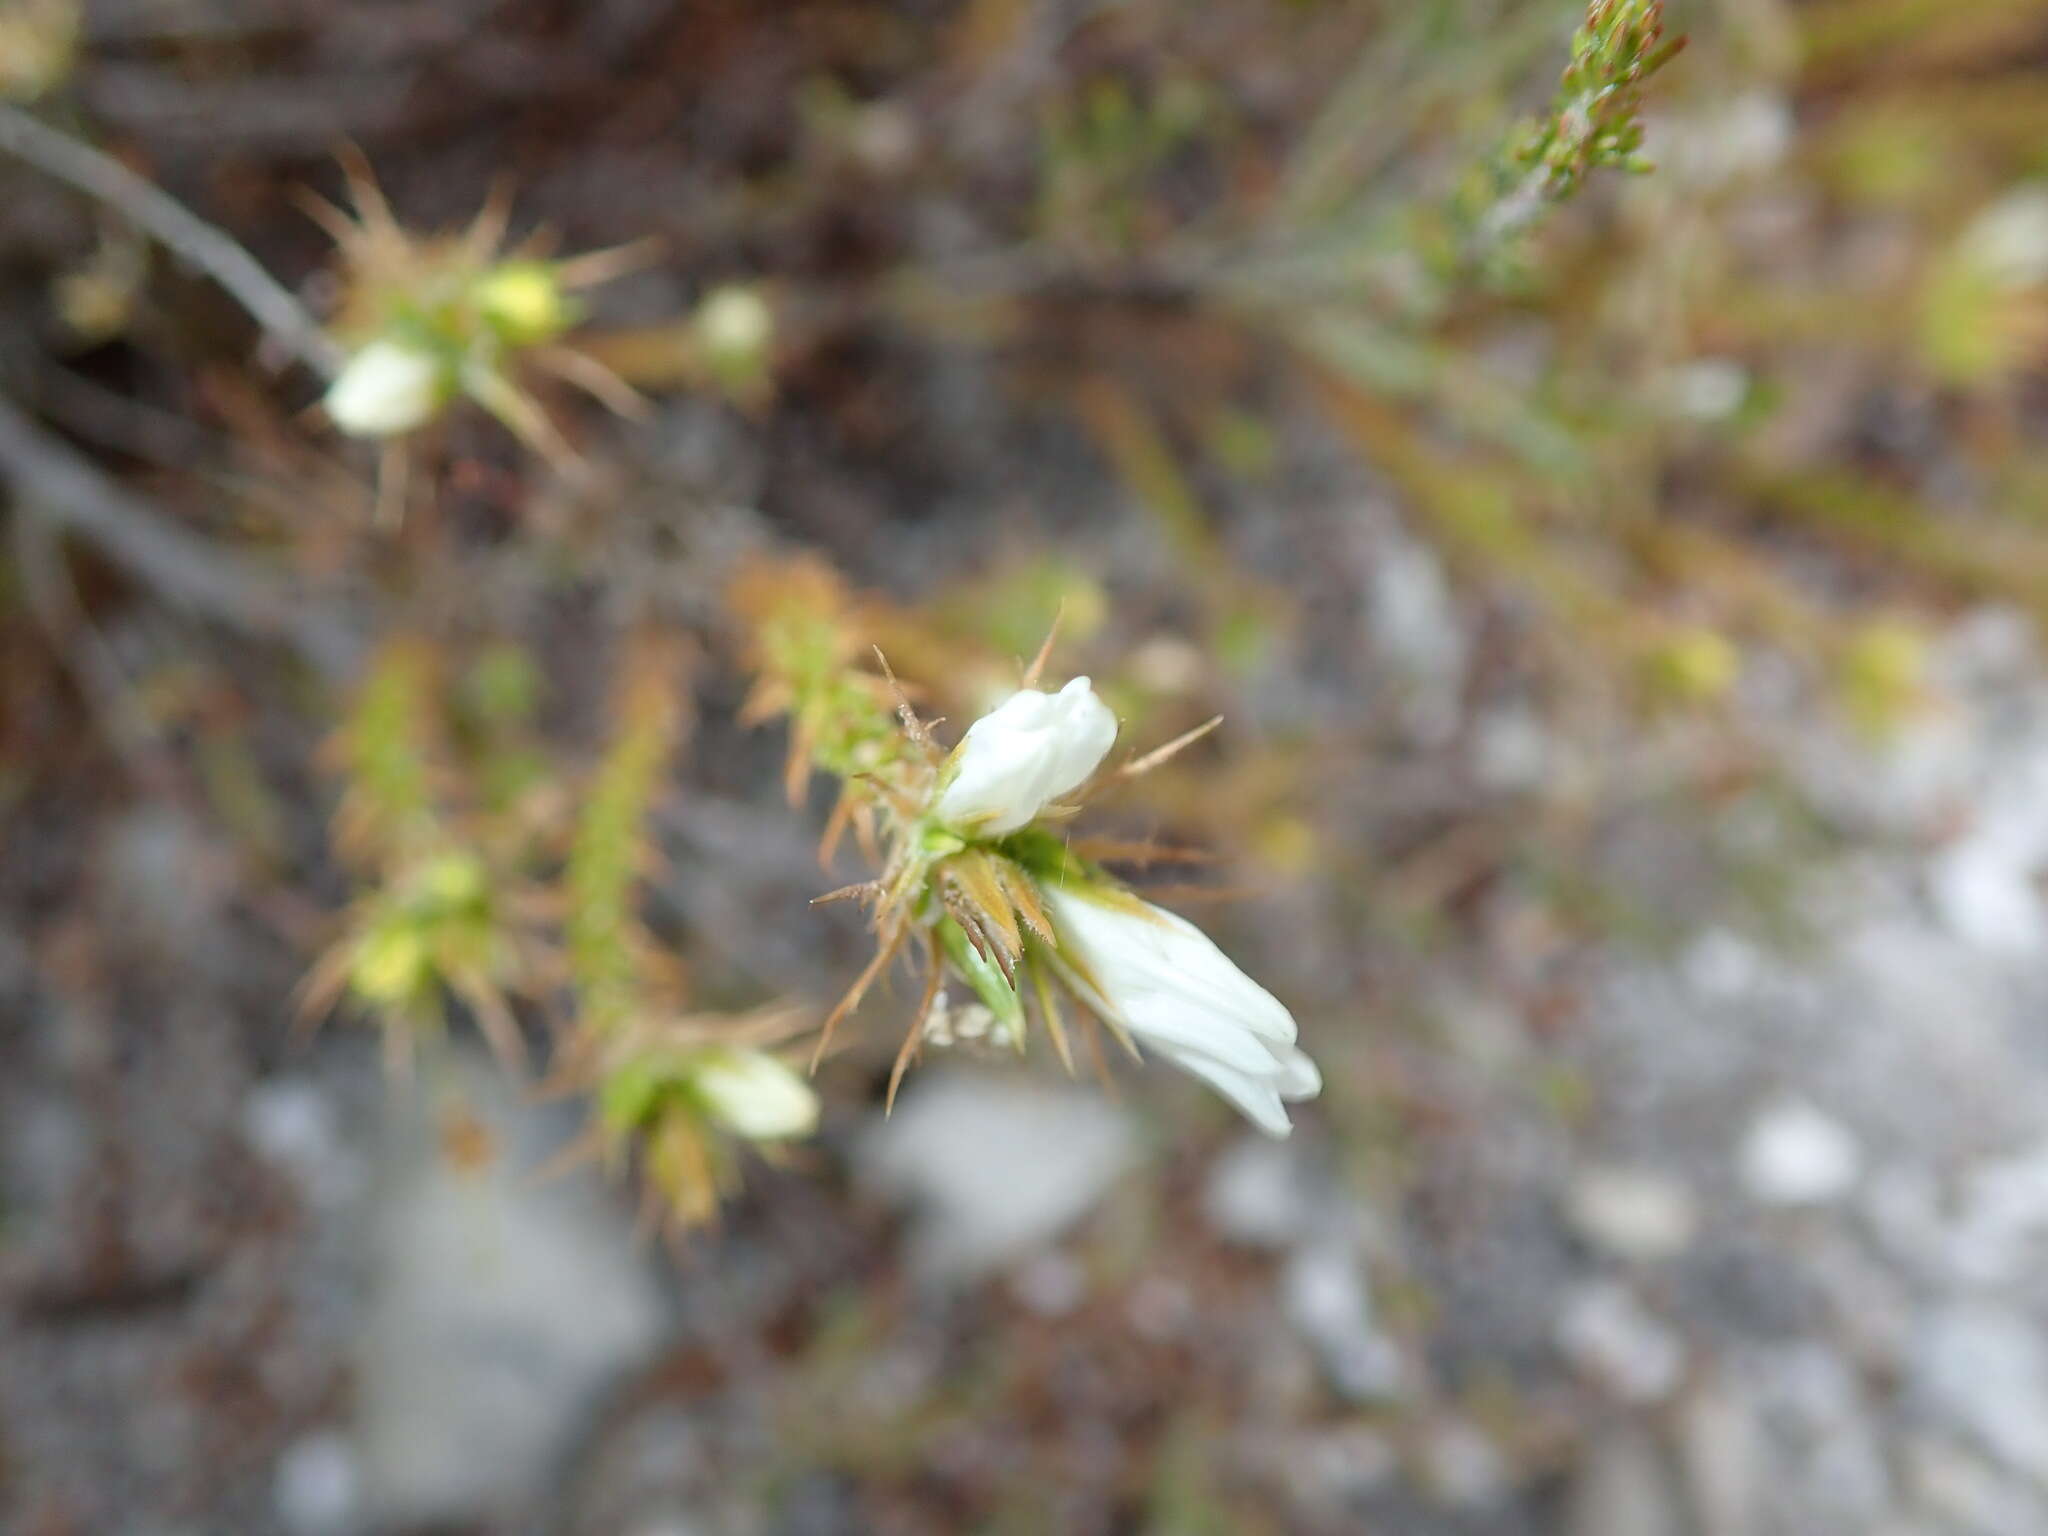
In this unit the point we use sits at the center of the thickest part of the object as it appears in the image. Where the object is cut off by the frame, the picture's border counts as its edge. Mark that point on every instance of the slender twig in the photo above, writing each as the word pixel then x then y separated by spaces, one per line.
pixel 53 600
pixel 53 482
pixel 179 229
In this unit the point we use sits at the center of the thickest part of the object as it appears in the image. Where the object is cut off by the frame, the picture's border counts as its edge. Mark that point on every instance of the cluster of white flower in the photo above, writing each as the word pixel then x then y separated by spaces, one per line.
pixel 1143 970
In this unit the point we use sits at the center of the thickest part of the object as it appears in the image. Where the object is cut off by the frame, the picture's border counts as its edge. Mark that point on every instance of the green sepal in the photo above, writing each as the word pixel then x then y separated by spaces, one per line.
pixel 629 1096
pixel 636 1090
pixel 982 974
pixel 1046 858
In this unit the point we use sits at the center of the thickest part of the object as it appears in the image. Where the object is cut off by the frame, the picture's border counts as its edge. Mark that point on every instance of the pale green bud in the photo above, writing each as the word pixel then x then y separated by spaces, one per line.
pixel 388 388
pixel 756 1095
pixel 523 302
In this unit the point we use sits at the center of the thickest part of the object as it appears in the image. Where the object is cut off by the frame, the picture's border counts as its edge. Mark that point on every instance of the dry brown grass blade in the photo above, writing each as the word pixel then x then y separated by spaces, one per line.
pixel 864 833
pixel 1145 459
pixel 854 892
pixel 522 416
pixel 319 990
pixel 494 1018
pixel 574 1068
pixel 990 943
pixel 916 729
pixel 595 267
pixel 486 232
pixel 835 827
pixel 373 213
pixel 1103 1018
pixel 1122 1036
pixel 906 1053
pixel 594 379
pixel 1049 1010
pixel 978 879
pixel 771 1024
pixel 901 801
pixel 1036 670
pixel 885 952
pixel 796 768
pixel 1184 894
pixel 334 222
pixel 1096 1057
pixel 1159 755
pixel 913 1038
pixel 1110 850
pixel 767 699
pixel 1023 896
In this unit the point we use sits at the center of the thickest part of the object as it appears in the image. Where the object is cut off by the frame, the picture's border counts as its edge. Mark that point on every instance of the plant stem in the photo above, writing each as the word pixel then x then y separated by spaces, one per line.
pixel 176 227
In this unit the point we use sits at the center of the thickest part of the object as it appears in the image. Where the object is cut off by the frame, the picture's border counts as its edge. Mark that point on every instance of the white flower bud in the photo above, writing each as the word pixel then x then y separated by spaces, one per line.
pixel 1031 749
pixel 734 323
pixel 1163 980
pixel 757 1095
pixel 387 388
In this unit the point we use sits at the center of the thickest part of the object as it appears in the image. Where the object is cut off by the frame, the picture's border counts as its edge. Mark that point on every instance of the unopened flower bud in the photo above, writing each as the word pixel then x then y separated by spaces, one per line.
pixel 453 881
pixel 392 965
pixel 1028 751
pixel 523 301
pixel 387 388
pixel 1695 666
pixel 756 1095
pixel 734 326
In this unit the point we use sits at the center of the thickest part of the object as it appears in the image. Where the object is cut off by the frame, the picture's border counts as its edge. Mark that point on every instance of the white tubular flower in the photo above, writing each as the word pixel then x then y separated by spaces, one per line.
pixel 387 388
pixel 1031 749
pixel 1163 980
pixel 757 1096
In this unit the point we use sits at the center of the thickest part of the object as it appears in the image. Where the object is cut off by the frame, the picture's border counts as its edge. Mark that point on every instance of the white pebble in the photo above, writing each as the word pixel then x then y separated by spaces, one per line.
pixel 1632 1213
pixel 1795 1155
pixel 317 1486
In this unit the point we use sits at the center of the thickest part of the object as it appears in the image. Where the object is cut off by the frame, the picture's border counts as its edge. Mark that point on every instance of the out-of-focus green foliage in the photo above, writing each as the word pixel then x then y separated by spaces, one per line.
pixel 606 860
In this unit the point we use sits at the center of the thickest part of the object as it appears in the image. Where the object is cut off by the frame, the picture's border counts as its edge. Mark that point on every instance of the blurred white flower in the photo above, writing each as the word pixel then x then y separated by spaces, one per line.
pixel 734 322
pixel 2008 241
pixel 1029 750
pixel 1163 980
pixel 1706 389
pixel 757 1095
pixel 386 388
